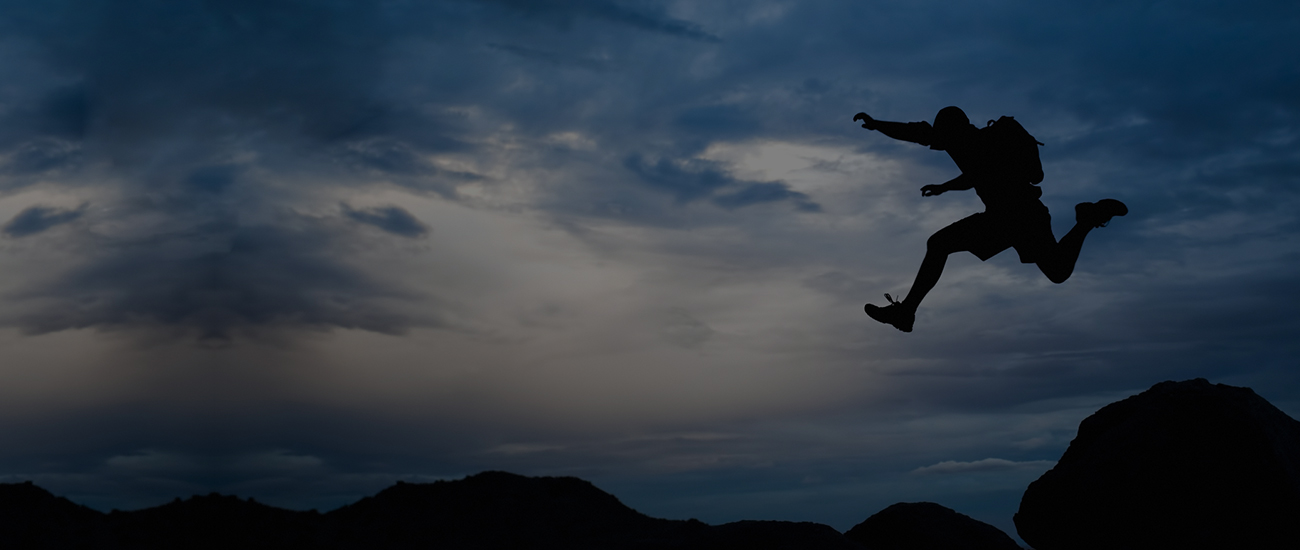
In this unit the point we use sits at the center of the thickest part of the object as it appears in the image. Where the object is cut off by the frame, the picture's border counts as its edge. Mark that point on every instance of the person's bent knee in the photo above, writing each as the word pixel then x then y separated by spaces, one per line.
pixel 1055 275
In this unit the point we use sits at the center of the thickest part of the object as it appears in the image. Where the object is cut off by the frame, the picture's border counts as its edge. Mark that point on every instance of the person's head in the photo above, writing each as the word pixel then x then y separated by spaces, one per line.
pixel 949 124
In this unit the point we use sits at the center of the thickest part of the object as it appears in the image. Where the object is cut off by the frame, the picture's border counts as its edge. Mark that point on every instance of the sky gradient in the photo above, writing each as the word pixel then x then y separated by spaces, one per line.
pixel 300 250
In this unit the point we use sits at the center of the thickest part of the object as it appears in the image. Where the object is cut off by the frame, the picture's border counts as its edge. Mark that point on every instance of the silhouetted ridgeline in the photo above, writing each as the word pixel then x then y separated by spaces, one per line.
pixel 485 511
pixel 1184 465
pixel 927 526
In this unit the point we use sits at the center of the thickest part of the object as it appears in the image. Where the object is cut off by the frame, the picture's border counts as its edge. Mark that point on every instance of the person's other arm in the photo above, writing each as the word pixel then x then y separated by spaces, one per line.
pixel 915 132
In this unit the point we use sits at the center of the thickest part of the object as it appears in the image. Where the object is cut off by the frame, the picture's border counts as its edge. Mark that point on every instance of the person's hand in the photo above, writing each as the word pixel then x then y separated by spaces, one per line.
pixel 867 122
pixel 932 190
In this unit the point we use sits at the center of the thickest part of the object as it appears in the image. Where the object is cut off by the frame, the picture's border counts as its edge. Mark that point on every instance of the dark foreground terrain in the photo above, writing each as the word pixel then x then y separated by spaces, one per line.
pixel 484 511
pixel 1185 465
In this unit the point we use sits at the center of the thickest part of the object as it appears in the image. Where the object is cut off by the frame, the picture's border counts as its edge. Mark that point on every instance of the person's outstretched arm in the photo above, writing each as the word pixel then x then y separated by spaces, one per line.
pixel 915 132
pixel 959 183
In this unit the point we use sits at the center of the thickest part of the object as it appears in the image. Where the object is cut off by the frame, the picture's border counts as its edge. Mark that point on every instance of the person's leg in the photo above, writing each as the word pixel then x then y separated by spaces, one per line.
pixel 1057 263
pixel 970 234
pixel 937 250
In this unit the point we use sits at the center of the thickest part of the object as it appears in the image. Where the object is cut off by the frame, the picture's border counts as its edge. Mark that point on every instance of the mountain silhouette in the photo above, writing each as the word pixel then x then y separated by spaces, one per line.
pixel 491 510
pixel 927 526
pixel 503 510
pixel 1186 465
pixel 31 517
pixel 215 521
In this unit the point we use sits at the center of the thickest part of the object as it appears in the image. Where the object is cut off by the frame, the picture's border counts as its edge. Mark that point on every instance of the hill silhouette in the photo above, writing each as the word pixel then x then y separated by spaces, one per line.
pixel 498 509
pixel 484 511
pixel 927 526
pixel 31 517
pixel 1183 465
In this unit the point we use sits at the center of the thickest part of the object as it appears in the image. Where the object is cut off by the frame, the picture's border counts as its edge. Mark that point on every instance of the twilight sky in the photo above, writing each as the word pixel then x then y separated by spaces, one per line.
pixel 298 250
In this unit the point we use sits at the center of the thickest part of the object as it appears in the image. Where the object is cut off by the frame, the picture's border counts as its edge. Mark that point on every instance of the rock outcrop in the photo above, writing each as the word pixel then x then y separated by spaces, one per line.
pixel 1183 465
pixel 927 526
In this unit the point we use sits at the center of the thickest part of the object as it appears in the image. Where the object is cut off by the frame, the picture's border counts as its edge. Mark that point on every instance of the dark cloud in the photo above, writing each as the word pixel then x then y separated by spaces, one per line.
pixel 218 281
pixel 213 179
pixel 42 155
pixel 36 219
pixel 41 134
pixel 647 21
pixel 761 192
pixel 553 58
pixel 694 179
pixel 645 16
pixel 719 121
pixel 62 113
pixel 403 162
pixel 393 219
pixel 178 106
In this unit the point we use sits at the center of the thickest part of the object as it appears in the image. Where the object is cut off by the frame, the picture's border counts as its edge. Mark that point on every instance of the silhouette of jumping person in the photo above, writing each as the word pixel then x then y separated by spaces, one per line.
pixel 1000 162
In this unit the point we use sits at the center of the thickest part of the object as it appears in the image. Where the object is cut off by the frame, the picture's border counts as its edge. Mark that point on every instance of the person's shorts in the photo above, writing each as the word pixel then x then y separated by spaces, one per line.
pixel 1026 227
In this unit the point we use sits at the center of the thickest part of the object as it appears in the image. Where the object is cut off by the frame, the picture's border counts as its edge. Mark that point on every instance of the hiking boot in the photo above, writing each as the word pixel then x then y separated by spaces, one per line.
pixel 1098 214
pixel 895 314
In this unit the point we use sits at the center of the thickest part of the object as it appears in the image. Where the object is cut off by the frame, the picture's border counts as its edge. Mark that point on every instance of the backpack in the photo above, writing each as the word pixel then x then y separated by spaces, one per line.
pixel 1020 148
